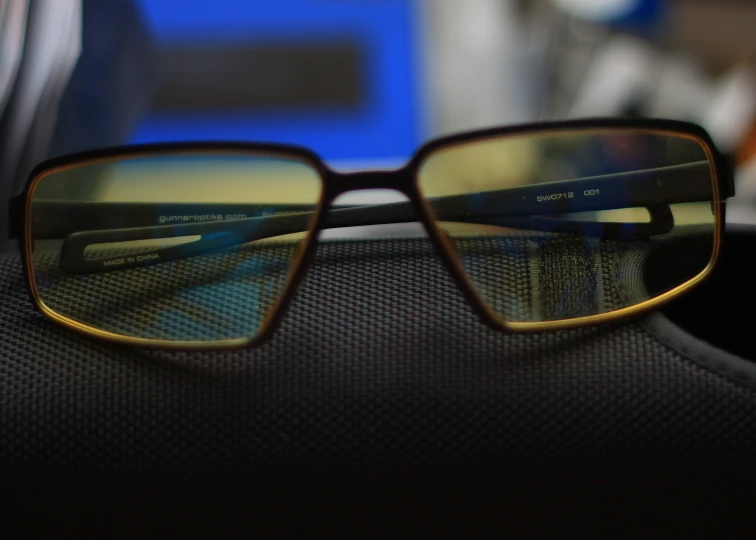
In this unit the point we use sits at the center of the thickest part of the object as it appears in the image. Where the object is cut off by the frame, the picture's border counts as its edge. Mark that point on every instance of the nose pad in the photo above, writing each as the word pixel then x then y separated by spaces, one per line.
pixel 372 213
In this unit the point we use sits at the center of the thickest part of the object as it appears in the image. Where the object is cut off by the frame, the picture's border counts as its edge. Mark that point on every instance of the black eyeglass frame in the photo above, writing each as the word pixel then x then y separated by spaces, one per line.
pixel 405 181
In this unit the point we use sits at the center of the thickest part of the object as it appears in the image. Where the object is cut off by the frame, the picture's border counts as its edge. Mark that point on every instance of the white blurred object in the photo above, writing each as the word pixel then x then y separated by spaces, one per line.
pixel 46 116
pixel 13 15
pixel 598 10
pixel 618 74
pixel 680 89
pixel 479 58
pixel 732 108
pixel 52 46
pixel 629 74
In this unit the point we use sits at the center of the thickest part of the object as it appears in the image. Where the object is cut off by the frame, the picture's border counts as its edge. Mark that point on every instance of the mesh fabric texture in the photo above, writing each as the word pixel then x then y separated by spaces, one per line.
pixel 379 370
pixel 226 295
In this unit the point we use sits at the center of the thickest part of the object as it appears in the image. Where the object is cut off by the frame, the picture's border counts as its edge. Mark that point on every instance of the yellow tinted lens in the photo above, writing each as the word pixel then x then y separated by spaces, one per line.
pixel 570 224
pixel 181 247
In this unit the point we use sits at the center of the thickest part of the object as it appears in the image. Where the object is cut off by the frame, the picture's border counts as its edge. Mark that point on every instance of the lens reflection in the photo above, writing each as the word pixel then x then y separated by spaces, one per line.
pixel 172 247
pixel 569 224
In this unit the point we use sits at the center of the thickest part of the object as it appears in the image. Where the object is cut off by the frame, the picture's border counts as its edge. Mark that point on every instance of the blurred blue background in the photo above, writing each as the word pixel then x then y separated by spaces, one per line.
pixel 364 82
pixel 384 123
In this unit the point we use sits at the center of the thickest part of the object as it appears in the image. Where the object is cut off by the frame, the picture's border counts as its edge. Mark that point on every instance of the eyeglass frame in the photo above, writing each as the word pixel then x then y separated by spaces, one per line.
pixel 403 180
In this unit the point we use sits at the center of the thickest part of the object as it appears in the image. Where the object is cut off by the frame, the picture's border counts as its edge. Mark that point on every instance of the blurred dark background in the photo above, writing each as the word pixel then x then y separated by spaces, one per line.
pixel 364 82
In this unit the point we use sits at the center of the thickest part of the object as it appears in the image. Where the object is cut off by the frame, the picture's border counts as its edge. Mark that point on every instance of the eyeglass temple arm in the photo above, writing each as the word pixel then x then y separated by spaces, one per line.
pixel 73 258
pixel 654 189
pixel 648 188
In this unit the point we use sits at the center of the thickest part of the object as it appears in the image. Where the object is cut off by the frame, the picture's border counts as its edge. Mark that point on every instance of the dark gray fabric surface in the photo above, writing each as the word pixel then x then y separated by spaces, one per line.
pixel 379 370
pixel 225 295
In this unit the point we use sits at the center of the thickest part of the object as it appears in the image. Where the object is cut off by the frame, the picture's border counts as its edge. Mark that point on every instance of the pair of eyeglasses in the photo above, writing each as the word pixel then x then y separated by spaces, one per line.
pixel 201 245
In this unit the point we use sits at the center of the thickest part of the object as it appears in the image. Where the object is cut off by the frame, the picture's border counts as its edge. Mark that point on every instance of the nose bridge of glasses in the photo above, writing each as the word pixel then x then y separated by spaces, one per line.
pixel 399 180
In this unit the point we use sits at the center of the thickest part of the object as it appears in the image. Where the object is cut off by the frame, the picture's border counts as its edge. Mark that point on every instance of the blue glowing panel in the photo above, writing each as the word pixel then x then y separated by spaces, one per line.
pixel 385 125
